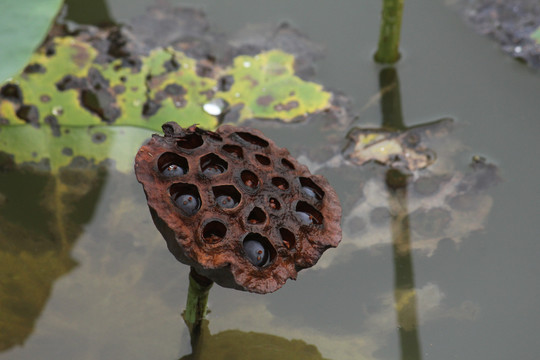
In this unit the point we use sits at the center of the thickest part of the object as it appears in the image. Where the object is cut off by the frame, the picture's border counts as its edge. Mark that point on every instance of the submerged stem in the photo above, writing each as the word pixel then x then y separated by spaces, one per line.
pixel 199 288
pixel 388 50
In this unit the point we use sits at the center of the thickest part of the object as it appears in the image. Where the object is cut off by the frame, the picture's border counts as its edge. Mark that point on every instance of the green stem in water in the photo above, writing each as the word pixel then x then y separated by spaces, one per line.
pixel 388 50
pixel 392 117
pixel 199 287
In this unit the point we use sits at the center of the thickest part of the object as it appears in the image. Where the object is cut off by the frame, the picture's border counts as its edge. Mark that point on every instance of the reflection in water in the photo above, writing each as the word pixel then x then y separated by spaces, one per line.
pixel 41 218
pixel 89 12
pixel 236 344
pixel 394 143
pixel 404 290
pixel 396 183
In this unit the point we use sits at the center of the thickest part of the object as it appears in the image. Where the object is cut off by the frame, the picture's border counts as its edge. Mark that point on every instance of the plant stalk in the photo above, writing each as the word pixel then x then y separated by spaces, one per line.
pixel 199 288
pixel 388 49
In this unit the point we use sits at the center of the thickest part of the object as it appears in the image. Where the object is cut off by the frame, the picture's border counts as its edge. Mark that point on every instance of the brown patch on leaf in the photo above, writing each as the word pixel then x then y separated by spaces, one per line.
pixel 265 100
pixel 293 104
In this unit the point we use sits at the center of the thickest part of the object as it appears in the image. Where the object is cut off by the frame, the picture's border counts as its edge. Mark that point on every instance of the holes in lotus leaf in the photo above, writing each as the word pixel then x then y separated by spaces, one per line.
pixel 264 160
pixel 307 214
pixel 258 250
pixel 289 165
pixel 288 238
pixel 186 198
pixel 274 204
pixel 226 196
pixel 280 183
pixel 214 231
pixel 171 164
pixel 256 216
pixel 234 151
pixel 190 141
pixel 212 165
pixel 252 139
pixel 249 179
pixel 311 189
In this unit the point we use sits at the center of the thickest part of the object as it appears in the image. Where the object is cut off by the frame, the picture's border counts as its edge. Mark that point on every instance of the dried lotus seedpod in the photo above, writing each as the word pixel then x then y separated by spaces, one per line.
pixel 235 207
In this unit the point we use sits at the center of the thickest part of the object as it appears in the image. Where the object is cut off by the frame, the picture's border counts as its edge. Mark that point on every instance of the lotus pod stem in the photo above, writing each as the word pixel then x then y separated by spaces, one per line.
pixel 388 49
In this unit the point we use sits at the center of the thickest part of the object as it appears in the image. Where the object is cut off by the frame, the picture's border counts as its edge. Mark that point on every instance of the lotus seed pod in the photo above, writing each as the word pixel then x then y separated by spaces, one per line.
pixel 235 207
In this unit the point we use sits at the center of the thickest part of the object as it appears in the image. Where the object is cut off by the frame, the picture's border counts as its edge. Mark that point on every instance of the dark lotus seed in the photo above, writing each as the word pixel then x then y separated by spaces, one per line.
pixel 256 253
pixel 213 170
pixel 173 170
pixel 189 204
pixel 305 218
pixel 225 201
pixel 309 192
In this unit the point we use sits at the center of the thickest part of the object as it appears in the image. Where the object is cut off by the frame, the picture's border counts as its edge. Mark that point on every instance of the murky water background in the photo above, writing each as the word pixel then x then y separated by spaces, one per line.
pixel 476 290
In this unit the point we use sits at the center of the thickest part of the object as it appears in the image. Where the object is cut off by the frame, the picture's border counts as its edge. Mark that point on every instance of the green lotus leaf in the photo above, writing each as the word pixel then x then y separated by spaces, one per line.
pixel 24 25
pixel 70 88
pixel 269 89
pixel 69 102
pixel 55 148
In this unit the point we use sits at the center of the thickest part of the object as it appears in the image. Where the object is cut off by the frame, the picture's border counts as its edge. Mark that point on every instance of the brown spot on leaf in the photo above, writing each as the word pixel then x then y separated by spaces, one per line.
pixel 150 107
pixel 205 67
pixel 251 80
pixel 98 137
pixel 100 103
pixel 278 71
pixel 69 82
pixel 225 83
pixel 287 107
pixel 171 65
pixel 81 56
pixel 119 89
pixel 265 100
pixel 50 50
pixel 34 68
pixel 175 89
pixel 12 93
pixel 45 98
pixel 52 121
pixel 208 93
pixel 153 82
pixel 98 98
pixel 29 113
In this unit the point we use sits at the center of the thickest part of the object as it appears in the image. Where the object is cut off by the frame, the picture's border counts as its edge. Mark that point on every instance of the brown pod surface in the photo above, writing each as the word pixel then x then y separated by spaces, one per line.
pixel 236 207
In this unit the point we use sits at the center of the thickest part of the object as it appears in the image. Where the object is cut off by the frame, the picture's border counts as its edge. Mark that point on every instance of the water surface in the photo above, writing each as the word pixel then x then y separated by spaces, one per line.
pixel 116 292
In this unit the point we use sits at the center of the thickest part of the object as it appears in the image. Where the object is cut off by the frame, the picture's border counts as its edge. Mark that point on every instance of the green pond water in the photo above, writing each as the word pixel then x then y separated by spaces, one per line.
pixel 101 284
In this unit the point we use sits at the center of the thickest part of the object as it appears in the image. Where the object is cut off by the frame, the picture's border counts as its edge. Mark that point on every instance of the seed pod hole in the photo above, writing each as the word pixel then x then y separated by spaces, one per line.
pixel 212 165
pixel 186 197
pixel 249 179
pixel 311 189
pixel 264 160
pixel 256 216
pixel 289 240
pixel 274 204
pixel 252 139
pixel 214 232
pixel 307 214
pixel 170 165
pixel 226 196
pixel 289 165
pixel 280 183
pixel 258 249
pixel 234 151
pixel 190 141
